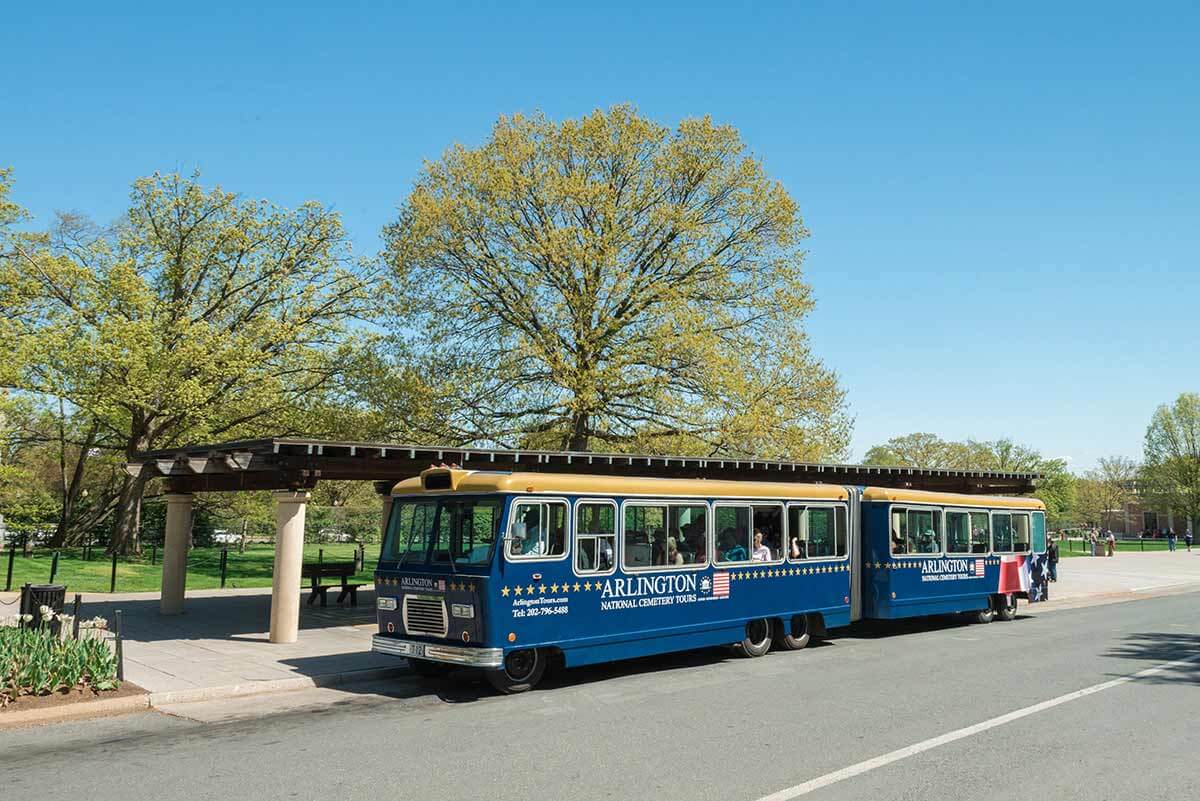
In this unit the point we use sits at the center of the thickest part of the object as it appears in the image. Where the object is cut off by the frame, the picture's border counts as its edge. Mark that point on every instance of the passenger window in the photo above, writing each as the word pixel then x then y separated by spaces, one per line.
pixel 958 533
pixel 733 534
pixel 797 539
pixel 595 537
pixel 767 539
pixel 1002 535
pixel 981 533
pixel 899 533
pixel 821 533
pixel 1020 533
pixel 538 530
pixel 924 531
pixel 665 535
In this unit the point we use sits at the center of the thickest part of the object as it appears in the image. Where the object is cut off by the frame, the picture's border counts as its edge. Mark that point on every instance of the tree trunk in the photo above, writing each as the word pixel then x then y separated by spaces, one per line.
pixel 242 541
pixel 72 489
pixel 579 433
pixel 127 501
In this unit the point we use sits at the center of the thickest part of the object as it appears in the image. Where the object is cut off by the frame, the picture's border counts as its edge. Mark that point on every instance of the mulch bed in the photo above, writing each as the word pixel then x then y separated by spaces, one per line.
pixel 68 698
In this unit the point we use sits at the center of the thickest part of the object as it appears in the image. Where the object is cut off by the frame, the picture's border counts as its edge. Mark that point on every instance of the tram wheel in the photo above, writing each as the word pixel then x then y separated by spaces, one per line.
pixel 795 634
pixel 985 615
pixel 758 638
pixel 522 671
pixel 426 669
pixel 1006 607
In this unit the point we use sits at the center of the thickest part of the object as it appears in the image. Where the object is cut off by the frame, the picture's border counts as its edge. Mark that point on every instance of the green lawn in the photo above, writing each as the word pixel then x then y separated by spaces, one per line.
pixel 1123 546
pixel 249 569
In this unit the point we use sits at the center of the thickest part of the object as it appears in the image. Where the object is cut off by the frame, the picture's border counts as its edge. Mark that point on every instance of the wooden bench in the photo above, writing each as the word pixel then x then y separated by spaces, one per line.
pixel 342 571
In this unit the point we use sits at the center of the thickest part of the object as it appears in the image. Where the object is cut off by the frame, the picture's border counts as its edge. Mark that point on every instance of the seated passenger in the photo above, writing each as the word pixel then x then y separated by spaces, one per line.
pixel 797 550
pixel 673 555
pixel 898 545
pixel 761 552
pixel 731 550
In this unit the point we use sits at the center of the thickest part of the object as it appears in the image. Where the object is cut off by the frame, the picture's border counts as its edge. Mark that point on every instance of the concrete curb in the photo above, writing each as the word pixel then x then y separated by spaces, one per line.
pixel 273 686
pixel 88 709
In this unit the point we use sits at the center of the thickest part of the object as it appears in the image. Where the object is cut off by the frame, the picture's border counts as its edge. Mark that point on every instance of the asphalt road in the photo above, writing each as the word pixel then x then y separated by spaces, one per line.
pixel 925 710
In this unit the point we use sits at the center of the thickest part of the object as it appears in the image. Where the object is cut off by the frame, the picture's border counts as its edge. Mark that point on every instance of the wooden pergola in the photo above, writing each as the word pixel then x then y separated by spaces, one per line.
pixel 291 467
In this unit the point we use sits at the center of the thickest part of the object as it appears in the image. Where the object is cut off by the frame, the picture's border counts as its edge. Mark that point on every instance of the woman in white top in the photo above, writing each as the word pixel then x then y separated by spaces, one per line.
pixel 761 552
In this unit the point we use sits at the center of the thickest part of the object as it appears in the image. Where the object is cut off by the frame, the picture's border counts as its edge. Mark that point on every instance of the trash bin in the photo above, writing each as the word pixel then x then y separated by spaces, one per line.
pixel 35 596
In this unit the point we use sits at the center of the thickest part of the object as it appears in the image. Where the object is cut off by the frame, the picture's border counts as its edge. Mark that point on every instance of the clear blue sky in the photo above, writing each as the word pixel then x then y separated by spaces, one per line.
pixel 1004 197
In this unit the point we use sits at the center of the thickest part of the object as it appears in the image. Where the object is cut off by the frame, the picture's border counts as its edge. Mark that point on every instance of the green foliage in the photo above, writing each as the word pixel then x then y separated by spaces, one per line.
pixel 35 662
pixel 609 283
pixel 1171 471
pixel 201 316
pixel 1056 488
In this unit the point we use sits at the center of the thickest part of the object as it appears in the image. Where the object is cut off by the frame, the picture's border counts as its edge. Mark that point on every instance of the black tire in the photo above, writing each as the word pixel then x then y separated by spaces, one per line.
pixel 1006 607
pixel 795 634
pixel 758 638
pixel 985 615
pixel 428 670
pixel 522 671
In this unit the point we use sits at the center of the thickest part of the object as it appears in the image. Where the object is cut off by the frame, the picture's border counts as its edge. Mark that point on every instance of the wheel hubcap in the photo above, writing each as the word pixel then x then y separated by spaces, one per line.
pixel 519 664
pixel 757 631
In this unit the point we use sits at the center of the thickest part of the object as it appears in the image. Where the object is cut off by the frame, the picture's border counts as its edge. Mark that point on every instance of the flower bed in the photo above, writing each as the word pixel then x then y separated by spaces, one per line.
pixel 35 661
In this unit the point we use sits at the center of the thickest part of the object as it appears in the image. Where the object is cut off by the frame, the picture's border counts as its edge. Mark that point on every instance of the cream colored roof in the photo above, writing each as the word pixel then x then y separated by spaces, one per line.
pixel 582 484
pixel 950 499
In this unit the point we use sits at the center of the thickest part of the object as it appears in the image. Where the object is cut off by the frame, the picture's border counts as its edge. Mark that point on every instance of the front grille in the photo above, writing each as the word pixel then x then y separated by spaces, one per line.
pixel 425 616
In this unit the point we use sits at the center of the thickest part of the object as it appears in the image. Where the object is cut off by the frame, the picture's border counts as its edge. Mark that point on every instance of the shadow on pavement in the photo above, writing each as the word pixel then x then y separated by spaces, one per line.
pixel 233 617
pixel 1159 647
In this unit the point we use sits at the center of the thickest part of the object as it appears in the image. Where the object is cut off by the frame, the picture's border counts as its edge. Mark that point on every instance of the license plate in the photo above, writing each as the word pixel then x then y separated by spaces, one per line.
pixel 412 649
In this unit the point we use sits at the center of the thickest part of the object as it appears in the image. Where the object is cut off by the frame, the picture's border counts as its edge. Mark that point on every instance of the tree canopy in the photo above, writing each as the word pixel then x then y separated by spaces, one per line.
pixel 607 282
pixel 1056 488
pixel 1171 470
pixel 201 315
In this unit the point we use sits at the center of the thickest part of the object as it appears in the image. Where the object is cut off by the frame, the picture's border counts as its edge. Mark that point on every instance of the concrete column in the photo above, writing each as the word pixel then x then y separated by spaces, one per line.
pixel 289 557
pixel 175 553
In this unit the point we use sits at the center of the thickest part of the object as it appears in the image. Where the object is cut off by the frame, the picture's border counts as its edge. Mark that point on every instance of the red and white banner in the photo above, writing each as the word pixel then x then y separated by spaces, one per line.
pixel 1014 574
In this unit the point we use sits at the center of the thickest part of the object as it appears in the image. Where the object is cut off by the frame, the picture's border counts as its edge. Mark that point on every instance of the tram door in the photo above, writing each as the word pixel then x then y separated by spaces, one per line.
pixel 855 537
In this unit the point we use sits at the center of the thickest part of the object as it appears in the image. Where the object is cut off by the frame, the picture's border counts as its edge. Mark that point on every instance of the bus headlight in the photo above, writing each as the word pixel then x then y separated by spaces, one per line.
pixel 386 604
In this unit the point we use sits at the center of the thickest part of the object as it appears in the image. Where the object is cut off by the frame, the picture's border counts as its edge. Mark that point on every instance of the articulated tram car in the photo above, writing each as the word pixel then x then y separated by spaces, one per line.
pixel 503 571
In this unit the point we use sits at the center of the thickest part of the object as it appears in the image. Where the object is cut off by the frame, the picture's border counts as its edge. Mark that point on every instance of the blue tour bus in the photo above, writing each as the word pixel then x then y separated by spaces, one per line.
pixel 503 571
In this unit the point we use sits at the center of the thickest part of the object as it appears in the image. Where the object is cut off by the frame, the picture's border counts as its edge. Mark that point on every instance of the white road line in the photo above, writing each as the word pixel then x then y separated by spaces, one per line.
pixel 860 768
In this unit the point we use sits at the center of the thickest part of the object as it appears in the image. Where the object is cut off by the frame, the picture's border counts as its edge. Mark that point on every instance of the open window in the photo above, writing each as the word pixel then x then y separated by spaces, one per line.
pixel 916 531
pixel 1022 541
pixel 595 537
pixel 537 530
pixel 662 535
pixel 981 532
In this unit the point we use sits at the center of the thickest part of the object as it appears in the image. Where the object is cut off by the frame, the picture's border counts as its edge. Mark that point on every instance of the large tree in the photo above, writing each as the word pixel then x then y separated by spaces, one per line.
pixel 200 315
pixel 1171 471
pixel 609 283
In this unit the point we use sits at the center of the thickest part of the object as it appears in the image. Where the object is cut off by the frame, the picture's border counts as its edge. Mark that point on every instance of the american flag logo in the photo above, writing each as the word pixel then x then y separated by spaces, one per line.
pixel 978 568
pixel 720 585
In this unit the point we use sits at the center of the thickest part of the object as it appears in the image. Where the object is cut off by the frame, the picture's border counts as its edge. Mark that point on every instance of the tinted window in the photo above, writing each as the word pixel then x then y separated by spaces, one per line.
pixel 665 535
pixel 958 532
pixel 1020 527
pixel 1002 533
pixel 981 532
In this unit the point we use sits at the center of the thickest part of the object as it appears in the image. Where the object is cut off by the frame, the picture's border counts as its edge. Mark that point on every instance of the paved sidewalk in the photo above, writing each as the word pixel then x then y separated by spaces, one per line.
pixel 1099 578
pixel 221 639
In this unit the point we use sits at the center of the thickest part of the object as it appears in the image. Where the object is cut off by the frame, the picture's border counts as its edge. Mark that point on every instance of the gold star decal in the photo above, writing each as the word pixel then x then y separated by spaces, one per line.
pixel 587 585
pixel 529 589
pixel 576 587
pixel 554 588
pixel 504 591
pixel 877 565
pixel 518 589
pixel 542 589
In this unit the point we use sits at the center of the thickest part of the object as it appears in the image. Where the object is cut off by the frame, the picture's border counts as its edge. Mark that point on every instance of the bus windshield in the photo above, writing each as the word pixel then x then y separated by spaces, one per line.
pixel 429 531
